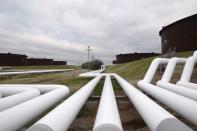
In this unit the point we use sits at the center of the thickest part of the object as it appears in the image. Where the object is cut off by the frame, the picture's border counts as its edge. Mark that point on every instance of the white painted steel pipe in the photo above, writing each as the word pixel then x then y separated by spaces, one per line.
pixel 62 116
pixel 164 82
pixel 91 73
pixel 184 91
pixel 94 73
pixel 43 88
pixel 33 72
pixel 189 66
pixel 15 99
pixel 195 54
pixel 184 106
pixel 103 67
pixel 156 117
pixel 187 84
pixel 188 69
pixel 29 110
pixel 11 90
pixel 153 68
pixel 107 118
pixel 17 93
pixel 171 67
pixel 187 72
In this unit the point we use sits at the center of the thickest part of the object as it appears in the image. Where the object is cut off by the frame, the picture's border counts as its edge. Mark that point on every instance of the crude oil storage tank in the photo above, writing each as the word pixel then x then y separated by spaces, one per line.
pixel 180 35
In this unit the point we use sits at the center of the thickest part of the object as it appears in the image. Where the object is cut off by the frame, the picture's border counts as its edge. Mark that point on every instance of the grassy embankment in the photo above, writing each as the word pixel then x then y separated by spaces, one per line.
pixel 132 71
pixel 137 69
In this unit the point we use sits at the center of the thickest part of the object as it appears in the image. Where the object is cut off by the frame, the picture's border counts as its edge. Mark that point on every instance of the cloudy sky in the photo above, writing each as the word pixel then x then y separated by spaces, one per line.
pixel 62 29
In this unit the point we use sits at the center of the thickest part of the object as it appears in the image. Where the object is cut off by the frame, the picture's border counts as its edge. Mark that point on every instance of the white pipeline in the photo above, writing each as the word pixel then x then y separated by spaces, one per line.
pixel 153 68
pixel 187 72
pixel 29 110
pixel 181 90
pixel 62 116
pixel 33 72
pixel 164 82
pixel 14 99
pixel 184 106
pixel 187 84
pixel 188 69
pixel 107 118
pixel 167 75
pixel 156 117
pixel 93 73
pixel 43 88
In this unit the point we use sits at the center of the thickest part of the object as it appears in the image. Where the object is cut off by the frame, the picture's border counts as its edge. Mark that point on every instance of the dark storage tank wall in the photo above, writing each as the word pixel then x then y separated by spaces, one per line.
pixel 181 35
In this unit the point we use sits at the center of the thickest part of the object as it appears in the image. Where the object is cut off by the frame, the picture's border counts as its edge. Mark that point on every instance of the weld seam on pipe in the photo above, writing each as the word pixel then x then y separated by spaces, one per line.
pixel 62 116
pixel 184 106
pixel 107 118
pixel 156 117
pixel 29 110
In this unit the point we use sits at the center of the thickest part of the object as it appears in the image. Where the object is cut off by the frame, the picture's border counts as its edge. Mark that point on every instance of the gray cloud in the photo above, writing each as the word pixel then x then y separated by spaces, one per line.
pixel 62 29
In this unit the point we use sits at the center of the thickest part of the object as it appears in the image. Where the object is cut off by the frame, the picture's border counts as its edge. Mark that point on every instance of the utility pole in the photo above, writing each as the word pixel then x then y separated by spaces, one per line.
pixel 81 60
pixel 88 49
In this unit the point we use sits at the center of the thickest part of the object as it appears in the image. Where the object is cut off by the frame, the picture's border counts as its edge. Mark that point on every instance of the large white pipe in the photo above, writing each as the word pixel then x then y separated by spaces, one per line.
pixel 188 69
pixel 167 75
pixel 62 116
pixel 187 84
pixel 103 67
pixel 33 72
pixel 184 91
pixel 15 99
pixel 189 66
pixel 29 110
pixel 94 73
pixel 17 93
pixel 11 90
pixel 153 68
pixel 108 118
pixel 164 82
pixel 187 72
pixel 195 54
pixel 156 117
pixel 184 106
pixel 43 88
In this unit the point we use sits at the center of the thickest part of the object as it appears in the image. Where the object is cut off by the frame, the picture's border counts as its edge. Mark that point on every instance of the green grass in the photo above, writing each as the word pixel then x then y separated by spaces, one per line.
pixel 98 89
pixel 76 81
pixel 137 69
